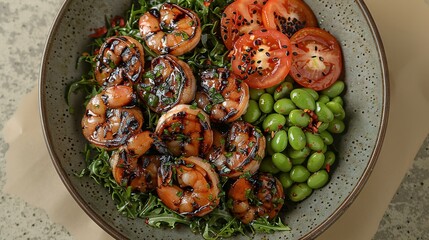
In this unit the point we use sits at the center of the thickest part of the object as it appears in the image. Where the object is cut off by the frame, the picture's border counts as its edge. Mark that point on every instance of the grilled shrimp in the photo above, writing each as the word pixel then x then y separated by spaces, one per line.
pixel 119 62
pixel 185 130
pixel 189 186
pixel 130 167
pixel 171 29
pixel 110 117
pixel 238 151
pixel 259 196
pixel 223 96
pixel 170 82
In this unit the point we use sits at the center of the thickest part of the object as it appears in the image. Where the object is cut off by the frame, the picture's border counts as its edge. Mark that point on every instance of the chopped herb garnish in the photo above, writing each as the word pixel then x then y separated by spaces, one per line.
pixel 175 126
pixel 201 116
pixel 179 193
pixel 182 137
pixel 215 96
pixel 193 105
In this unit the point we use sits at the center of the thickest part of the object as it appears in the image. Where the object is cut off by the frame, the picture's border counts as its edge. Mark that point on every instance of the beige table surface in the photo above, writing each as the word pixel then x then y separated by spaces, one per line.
pixel 36 205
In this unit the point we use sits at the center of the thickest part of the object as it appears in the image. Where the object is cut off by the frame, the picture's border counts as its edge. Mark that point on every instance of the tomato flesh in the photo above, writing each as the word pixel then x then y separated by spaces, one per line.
pixel 316 58
pixel 288 16
pixel 240 17
pixel 262 58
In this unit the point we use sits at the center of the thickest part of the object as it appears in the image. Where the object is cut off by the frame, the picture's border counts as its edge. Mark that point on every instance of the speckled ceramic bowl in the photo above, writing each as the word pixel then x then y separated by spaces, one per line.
pixel 366 100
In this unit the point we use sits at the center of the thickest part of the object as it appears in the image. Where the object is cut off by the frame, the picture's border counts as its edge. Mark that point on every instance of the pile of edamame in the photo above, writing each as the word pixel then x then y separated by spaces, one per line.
pixel 299 126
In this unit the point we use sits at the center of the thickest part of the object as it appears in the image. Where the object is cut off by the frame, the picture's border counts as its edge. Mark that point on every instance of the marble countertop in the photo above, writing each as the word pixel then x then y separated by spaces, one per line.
pixel 394 204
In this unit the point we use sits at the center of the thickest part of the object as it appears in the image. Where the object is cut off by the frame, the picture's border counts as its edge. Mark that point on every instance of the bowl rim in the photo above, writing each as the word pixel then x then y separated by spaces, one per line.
pixel 315 231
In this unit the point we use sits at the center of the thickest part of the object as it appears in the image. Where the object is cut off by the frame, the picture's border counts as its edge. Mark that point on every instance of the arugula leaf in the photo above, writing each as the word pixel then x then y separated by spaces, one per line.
pixel 169 219
pixel 222 224
pixel 263 225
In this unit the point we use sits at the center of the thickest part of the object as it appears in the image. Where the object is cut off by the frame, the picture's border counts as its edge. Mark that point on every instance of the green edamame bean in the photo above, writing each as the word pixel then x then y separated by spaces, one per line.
pixel 255 93
pixel 299 118
pixel 266 103
pixel 315 162
pixel 261 119
pixel 312 92
pixel 336 126
pixel 329 159
pixel 302 153
pixel 314 142
pixel 298 161
pixel 272 89
pixel 253 112
pixel 285 180
pixel 283 90
pixel 299 173
pixel 299 192
pixel 268 166
pixel 323 126
pixel 268 147
pixel 326 137
pixel 336 109
pixel 324 114
pixel 318 179
pixel 302 99
pixel 339 100
pixel 296 138
pixel 334 90
pixel 284 106
pixel 288 123
pixel 279 141
pixel 323 99
pixel 324 149
pixel 273 122
pixel 282 162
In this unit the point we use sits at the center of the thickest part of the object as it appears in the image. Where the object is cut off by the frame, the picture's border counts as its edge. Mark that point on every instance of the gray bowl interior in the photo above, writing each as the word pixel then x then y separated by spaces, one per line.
pixel 366 104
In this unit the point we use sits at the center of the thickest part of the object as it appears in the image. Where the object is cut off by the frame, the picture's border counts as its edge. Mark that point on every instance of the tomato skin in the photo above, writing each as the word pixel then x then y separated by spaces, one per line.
pixel 317 60
pixel 262 58
pixel 288 16
pixel 240 17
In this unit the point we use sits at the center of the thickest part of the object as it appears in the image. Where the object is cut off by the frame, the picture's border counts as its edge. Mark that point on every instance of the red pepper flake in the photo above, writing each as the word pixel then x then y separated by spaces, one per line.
pixel 206 4
pixel 98 32
pixel 314 124
pixel 328 167
pixel 117 21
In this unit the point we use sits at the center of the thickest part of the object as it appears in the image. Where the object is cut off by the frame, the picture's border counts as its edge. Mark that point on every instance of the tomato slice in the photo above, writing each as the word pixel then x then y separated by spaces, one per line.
pixel 262 58
pixel 240 17
pixel 288 16
pixel 317 60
